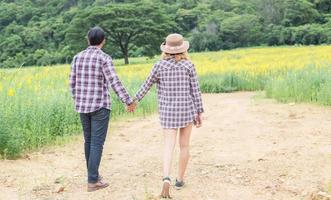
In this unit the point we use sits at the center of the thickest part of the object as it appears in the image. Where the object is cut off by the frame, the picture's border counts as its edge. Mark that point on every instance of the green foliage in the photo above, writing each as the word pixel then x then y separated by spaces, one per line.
pixel 241 31
pixel 299 12
pixel 49 32
pixel 324 6
pixel 306 34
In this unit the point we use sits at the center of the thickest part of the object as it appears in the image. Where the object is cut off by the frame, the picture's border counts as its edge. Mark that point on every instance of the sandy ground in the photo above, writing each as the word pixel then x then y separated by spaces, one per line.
pixel 249 148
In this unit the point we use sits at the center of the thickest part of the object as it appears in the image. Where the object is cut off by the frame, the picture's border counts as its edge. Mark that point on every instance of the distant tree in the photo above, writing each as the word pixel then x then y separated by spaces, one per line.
pixel 298 12
pixel 207 35
pixel 205 41
pixel 7 14
pixel 244 7
pixel 323 6
pixel 225 5
pixel 14 42
pixel 287 36
pixel 327 28
pixel 187 20
pixel 187 4
pixel 127 25
pixel 241 31
pixel 271 11
pixel 309 34
pixel 274 33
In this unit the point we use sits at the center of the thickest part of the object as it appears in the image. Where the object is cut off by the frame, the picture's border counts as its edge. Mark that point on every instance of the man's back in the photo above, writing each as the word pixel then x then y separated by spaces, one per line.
pixel 92 72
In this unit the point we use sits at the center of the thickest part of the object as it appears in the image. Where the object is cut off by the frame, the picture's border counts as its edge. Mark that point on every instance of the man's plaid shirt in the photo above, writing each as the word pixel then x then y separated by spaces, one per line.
pixel 92 72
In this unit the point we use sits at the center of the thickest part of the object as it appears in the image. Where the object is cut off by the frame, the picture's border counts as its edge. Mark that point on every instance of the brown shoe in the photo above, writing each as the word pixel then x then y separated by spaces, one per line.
pixel 91 187
pixel 166 188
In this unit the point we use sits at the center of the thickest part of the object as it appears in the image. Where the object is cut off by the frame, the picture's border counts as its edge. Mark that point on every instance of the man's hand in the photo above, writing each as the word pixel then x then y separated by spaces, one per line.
pixel 198 120
pixel 131 107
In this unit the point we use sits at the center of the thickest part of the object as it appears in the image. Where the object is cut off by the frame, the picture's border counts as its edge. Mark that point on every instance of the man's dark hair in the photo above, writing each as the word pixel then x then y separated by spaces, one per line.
pixel 95 36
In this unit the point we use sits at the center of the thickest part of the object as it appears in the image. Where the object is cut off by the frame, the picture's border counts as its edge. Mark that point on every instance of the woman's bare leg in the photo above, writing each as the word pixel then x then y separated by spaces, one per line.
pixel 184 143
pixel 170 136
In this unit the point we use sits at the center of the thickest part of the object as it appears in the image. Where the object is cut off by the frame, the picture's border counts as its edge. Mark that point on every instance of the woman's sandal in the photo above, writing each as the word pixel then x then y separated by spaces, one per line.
pixel 166 188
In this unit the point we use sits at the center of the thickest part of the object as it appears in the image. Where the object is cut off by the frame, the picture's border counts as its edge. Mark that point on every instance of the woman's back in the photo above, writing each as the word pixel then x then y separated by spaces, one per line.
pixel 173 81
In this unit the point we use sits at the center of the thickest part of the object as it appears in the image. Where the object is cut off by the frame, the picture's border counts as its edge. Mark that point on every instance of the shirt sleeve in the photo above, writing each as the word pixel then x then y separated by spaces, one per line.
pixel 112 79
pixel 72 78
pixel 149 82
pixel 195 90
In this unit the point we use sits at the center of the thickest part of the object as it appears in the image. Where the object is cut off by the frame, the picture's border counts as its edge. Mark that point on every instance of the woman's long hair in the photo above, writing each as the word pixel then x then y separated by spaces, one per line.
pixel 178 56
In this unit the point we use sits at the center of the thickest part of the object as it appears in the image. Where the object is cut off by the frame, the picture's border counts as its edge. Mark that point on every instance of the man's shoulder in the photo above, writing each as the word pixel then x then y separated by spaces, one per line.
pixel 104 55
pixel 98 53
pixel 79 55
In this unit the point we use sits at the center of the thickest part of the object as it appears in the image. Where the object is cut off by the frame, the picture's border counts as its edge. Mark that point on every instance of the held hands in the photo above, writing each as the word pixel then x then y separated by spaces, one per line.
pixel 198 120
pixel 131 107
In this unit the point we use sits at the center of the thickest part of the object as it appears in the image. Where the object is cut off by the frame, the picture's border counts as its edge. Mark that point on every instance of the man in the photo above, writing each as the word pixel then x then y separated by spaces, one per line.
pixel 92 72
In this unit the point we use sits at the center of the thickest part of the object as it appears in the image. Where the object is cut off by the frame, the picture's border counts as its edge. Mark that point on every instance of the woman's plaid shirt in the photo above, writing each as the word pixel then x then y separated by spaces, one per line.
pixel 178 90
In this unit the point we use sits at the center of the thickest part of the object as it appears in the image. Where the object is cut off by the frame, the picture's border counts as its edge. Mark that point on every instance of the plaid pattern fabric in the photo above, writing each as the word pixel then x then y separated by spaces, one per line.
pixel 92 72
pixel 179 95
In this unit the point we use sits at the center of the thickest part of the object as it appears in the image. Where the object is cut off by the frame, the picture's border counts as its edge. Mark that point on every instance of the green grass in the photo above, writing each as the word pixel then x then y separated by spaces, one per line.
pixel 310 84
pixel 231 82
pixel 32 119
pixel 40 112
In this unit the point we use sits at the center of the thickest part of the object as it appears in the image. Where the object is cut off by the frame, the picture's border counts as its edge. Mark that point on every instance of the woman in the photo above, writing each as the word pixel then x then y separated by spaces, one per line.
pixel 180 103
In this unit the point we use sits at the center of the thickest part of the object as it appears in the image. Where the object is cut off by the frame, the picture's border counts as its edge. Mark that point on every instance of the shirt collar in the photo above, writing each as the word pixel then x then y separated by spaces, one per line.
pixel 92 47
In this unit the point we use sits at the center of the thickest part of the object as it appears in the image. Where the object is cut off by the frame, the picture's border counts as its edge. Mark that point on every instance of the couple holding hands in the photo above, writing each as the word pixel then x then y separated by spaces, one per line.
pixel 179 102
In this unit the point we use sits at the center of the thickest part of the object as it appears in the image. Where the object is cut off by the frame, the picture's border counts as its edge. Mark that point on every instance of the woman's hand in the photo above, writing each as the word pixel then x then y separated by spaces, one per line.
pixel 132 106
pixel 198 120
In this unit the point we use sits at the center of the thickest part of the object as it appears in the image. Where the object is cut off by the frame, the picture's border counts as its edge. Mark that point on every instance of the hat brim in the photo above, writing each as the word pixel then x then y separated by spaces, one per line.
pixel 171 50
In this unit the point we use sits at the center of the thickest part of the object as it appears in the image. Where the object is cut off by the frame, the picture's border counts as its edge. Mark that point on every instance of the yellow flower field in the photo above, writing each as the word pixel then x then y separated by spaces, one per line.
pixel 36 107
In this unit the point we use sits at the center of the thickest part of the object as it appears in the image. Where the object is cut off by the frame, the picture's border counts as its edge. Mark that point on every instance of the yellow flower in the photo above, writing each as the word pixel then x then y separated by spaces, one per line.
pixel 29 81
pixel 11 92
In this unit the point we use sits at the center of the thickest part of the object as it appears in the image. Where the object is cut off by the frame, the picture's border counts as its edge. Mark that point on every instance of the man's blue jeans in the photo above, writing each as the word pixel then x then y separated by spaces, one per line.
pixel 95 126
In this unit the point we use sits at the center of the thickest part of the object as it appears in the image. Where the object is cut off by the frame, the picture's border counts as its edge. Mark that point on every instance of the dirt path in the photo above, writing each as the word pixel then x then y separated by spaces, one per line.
pixel 249 149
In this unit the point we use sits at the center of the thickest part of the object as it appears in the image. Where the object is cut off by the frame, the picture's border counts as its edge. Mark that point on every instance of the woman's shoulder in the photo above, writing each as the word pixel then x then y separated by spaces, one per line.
pixel 187 63
pixel 163 62
pixel 167 62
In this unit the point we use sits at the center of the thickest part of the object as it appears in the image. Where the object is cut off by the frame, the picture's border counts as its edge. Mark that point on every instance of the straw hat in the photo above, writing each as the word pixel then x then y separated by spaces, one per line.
pixel 175 44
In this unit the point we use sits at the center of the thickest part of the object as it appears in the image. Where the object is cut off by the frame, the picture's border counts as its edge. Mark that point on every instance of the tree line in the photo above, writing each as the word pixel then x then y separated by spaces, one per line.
pixel 37 32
